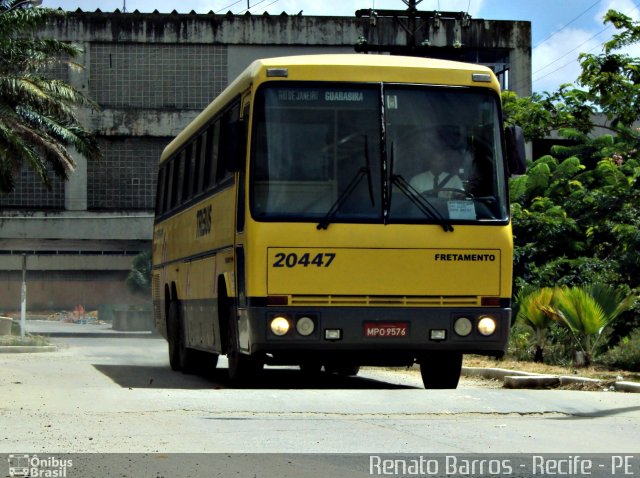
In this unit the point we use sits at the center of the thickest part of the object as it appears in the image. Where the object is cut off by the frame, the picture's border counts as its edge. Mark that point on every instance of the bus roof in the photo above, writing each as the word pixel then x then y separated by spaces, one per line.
pixel 341 67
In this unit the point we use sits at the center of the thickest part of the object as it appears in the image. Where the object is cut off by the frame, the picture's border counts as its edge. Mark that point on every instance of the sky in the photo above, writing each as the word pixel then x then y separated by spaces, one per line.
pixel 561 29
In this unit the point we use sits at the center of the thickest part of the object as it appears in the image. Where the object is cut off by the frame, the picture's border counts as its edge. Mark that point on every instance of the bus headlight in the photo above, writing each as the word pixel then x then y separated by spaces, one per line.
pixel 305 326
pixel 462 326
pixel 486 326
pixel 280 325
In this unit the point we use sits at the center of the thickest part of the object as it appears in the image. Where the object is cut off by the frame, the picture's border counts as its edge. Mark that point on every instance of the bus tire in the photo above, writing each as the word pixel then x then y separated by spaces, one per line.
pixel 441 370
pixel 180 356
pixel 173 336
pixel 242 368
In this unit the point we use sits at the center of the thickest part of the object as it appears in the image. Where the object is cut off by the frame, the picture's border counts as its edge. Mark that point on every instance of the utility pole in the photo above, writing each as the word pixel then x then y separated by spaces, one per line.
pixel 421 27
pixel 23 298
pixel 411 28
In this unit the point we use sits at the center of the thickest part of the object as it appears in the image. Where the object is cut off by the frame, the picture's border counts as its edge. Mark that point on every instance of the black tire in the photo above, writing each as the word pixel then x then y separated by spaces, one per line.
pixel 242 368
pixel 344 370
pixel 180 356
pixel 441 370
pixel 173 336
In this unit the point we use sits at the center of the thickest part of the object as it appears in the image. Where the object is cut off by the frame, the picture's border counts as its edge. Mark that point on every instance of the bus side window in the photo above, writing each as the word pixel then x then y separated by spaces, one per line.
pixel 160 190
pixel 210 152
pixel 197 167
pixel 225 146
pixel 178 174
pixel 187 158
pixel 215 151
pixel 168 186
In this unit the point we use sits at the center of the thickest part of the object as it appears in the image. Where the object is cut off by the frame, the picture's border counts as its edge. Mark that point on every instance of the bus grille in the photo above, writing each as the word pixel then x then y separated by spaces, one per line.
pixel 384 301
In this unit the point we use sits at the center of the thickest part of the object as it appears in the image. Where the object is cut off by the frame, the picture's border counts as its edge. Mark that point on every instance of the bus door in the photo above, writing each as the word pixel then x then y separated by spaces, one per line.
pixel 240 152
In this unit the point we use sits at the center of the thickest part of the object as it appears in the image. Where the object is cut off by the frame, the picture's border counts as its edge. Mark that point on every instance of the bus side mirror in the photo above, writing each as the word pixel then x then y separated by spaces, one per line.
pixel 516 156
pixel 234 145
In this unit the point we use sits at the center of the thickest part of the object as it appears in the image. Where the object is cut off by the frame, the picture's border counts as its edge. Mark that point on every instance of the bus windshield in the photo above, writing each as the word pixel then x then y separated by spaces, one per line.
pixel 377 153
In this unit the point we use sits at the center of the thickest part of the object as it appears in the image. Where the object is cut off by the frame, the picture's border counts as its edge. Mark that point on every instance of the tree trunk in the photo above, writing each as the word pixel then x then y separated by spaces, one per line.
pixel 538 354
pixel 581 359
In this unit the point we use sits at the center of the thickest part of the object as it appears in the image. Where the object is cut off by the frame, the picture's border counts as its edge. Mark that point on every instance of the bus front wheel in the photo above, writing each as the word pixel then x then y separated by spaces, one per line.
pixel 441 370
pixel 242 368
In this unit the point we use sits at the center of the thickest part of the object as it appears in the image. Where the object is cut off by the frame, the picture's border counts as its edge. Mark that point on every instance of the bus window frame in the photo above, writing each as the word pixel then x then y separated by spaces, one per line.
pixel 209 138
pixel 385 86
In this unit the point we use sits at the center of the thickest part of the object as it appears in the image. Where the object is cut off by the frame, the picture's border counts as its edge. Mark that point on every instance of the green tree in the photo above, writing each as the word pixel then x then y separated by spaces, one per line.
pixel 38 114
pixel 576 219
pixel 139 279
pixel 575 212
pixel 606 96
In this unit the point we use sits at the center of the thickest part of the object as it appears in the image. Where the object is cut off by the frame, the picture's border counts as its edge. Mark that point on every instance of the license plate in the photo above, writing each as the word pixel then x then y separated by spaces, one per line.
pixel 386 329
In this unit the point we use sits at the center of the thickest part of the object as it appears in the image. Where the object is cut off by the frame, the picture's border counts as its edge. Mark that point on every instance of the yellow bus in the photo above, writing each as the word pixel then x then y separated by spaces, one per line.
pixel 334 211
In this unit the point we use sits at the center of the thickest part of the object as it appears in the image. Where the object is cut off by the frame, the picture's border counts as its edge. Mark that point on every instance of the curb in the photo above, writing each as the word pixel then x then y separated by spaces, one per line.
pixel 515 379
pixel 493 373
pixel 27 349
pixel 631 387
pixel 107 335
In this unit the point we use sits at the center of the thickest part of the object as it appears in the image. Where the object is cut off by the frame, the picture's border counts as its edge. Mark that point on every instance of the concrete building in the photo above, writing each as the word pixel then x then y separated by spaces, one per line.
pixel 151 74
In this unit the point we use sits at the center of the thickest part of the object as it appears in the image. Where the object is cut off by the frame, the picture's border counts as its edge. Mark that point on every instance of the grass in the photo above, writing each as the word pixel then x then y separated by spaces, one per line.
pixel 594 371
pixel 29 340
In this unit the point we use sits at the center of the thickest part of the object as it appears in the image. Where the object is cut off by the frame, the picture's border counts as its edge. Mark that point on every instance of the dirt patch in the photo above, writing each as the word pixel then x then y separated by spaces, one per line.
pixel 597 372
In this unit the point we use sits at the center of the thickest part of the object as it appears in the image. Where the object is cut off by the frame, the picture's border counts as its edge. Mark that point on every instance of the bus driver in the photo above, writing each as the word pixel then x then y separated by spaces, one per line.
pixel 440 173
pixel 442 159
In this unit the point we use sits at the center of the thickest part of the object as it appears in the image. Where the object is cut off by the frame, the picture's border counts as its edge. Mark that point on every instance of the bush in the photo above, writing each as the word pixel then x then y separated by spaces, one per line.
pixel 560 345
pixel 521 338
pixel 625 355
pixel 15 327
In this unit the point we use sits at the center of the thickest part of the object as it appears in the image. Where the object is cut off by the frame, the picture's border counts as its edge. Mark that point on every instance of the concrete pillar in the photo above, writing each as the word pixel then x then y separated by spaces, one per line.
pixel 75 188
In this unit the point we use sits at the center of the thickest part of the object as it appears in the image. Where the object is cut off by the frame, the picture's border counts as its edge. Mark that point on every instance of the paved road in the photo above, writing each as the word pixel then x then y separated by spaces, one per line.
pixel 118 395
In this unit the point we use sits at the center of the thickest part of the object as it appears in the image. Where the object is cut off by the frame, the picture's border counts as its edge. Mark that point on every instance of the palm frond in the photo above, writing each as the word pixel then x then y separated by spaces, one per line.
pixel 34 55
pixel 581 312
pixel 531 306
pixel 15 150
pixel 38 114
pixel 22 21
pixel 612 301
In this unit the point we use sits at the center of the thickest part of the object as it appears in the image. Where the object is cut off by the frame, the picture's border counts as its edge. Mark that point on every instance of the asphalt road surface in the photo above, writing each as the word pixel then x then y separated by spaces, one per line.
pixel 118 395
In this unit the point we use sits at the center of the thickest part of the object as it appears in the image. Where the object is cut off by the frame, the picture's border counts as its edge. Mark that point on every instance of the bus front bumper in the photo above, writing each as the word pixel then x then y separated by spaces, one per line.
pixel 401 333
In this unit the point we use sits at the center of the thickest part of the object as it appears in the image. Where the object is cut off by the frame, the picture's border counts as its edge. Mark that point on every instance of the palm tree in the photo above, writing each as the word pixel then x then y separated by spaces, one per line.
pixel 38 119
pixel 532 304
pixel 587 310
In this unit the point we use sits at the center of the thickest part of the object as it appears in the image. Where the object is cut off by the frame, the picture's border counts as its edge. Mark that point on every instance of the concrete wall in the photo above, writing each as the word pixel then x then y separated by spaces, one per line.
pixel 63 290
pixel 151 75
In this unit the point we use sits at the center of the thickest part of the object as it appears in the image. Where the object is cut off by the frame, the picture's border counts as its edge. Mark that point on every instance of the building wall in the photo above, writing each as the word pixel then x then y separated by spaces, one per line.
pixel 151 74
pixel 63 290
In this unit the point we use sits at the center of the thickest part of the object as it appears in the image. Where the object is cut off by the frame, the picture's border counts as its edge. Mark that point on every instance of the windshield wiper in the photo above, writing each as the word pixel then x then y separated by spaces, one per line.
pixel 363 171
pixel 416 198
